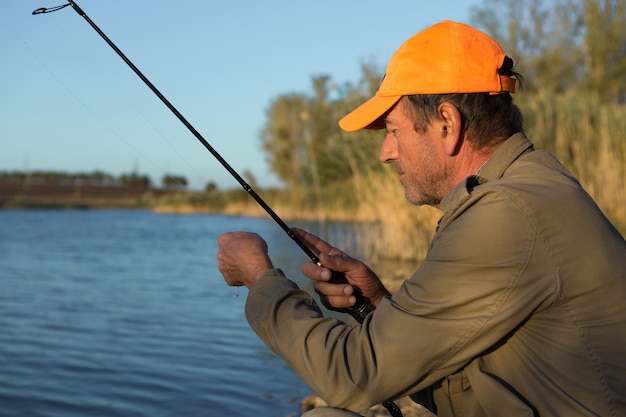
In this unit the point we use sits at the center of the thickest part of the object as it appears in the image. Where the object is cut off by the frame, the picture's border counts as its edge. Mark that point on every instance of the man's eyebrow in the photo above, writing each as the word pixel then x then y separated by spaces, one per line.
pixel 388 122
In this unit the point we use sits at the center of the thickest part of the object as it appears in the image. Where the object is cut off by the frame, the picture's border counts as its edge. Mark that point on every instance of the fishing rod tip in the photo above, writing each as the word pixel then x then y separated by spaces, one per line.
pixel 43 10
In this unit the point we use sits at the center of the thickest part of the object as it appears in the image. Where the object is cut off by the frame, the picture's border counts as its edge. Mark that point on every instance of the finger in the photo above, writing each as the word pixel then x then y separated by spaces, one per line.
pixel 335 296
pixel 316 272
pixel 333 290
pixel 341 304
pixel 312 241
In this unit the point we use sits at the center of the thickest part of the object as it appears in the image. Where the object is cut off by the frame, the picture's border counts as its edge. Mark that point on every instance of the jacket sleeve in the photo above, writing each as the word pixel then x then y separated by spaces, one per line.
pixel 474 288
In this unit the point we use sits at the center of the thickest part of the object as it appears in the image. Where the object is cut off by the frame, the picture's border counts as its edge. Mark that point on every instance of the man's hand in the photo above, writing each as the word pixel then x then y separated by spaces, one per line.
pixel 359 277
pixel 243 258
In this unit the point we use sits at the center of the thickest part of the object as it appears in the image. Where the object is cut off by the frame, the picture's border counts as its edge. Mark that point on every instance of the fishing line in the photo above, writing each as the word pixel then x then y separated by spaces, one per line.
pixel 85 106
pixel 128 143
pixel 361 309
pixel 145 118
pixel 92 112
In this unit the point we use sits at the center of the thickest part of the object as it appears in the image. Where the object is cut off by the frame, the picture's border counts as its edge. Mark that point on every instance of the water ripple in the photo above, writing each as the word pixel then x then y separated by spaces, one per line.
pixel 122 314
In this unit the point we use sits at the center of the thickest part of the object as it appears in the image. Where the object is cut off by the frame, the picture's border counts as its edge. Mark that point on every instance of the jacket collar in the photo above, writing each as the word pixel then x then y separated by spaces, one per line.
pixel 505 155
pixel 502 158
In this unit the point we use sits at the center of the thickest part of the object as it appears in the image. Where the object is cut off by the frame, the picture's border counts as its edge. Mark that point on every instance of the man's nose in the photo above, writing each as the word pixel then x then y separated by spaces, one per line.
pixel 389 149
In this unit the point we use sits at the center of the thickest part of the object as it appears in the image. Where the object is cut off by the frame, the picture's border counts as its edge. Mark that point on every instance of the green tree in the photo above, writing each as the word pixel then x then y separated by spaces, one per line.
pixel 562 45
pixel 174 181
pixel 134 180
pixel 211 188
pixel 249 177
pixel 356 153
pixel 543 38
pixel 302 139
pixel 283 139
pixel 604 48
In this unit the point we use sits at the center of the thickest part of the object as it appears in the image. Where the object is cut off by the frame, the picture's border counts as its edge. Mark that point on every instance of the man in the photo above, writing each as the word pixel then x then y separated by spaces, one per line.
pixel 519 307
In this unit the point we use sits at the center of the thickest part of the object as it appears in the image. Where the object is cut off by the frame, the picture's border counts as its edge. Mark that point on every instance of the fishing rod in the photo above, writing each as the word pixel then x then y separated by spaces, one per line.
pixel 361 309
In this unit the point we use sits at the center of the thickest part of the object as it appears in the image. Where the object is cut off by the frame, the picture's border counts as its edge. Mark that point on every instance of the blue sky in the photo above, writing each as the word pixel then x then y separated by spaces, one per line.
pixel 69 103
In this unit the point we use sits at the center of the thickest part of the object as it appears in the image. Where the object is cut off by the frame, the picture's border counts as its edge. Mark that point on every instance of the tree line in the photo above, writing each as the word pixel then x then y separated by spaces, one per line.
pixel 95 178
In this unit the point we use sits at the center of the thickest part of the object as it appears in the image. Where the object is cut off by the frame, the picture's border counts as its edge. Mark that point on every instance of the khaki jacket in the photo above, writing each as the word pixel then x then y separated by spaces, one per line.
pixel 519 308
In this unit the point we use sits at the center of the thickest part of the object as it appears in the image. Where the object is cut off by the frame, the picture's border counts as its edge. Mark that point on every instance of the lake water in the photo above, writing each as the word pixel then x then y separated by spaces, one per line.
pixel 124 313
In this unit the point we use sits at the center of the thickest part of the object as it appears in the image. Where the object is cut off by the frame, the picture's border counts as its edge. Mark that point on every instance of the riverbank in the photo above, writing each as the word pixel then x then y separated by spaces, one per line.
pixel 28 195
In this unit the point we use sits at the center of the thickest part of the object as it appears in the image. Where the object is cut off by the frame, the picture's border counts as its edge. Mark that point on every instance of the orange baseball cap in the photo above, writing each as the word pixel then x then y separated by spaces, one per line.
pixel 448 57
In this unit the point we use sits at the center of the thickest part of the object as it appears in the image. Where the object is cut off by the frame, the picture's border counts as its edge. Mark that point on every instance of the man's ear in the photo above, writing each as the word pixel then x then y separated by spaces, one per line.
pixel 450 127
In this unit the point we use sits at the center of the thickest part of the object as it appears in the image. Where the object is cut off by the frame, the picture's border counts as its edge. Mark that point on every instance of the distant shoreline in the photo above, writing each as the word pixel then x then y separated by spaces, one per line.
pixel 72 196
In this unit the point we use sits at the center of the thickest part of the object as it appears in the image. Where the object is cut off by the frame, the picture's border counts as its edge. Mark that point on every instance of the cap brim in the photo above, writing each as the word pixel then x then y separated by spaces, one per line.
pixel 369 114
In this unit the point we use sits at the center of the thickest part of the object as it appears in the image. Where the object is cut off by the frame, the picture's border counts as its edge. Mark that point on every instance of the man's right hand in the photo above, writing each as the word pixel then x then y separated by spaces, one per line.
pixel 359 276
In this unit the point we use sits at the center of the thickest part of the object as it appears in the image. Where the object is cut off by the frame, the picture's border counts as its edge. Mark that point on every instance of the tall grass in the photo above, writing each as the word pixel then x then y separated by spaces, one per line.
pixel 589 137
pixel 399 230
